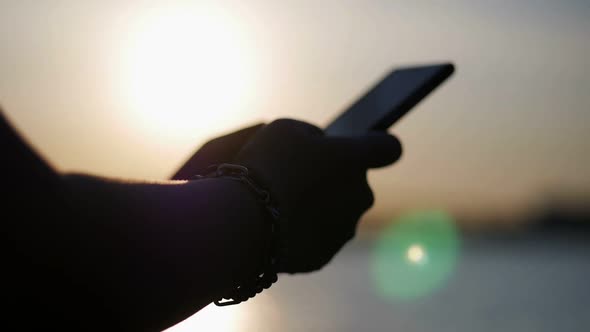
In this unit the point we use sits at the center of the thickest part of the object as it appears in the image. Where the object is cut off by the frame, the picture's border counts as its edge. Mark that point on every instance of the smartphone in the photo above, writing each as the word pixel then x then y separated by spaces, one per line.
pixel 389 100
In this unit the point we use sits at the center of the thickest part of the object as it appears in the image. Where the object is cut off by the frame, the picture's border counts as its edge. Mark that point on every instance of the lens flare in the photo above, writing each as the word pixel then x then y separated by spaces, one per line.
pixel 415 255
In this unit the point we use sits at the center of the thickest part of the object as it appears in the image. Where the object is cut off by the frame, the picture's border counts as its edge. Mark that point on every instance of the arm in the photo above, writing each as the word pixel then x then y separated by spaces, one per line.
pixel 87 253
pixel 156 253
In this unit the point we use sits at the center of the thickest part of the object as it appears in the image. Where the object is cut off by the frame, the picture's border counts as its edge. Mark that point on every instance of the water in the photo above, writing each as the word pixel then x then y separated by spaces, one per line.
pixel 515 283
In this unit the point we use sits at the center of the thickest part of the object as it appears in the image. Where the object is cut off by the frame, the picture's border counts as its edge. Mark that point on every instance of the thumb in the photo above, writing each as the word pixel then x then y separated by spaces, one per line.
pixel 218 150
pixel 375 149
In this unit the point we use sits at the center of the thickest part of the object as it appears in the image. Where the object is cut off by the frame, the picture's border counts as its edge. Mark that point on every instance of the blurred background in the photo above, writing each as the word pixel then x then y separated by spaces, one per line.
pixel 482 225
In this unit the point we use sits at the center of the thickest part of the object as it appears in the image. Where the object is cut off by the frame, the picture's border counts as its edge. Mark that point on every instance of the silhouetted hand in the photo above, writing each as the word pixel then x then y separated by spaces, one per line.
pixel 218 150
pixel 319 183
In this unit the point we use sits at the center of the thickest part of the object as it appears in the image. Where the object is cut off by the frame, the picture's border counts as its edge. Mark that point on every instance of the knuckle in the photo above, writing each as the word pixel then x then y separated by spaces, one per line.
pixel 369 197
pixel 398 148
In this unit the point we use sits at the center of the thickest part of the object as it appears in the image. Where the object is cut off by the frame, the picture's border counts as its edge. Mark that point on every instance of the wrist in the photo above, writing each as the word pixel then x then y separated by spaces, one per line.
pixel 266 274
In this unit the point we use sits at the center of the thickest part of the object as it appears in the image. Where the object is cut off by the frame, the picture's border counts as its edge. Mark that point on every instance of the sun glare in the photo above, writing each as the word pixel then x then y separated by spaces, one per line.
pixel 186 69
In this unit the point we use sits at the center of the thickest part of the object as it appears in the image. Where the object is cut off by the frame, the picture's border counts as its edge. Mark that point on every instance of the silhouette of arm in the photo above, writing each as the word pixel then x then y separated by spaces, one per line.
pixel 157 253
pixel 88 253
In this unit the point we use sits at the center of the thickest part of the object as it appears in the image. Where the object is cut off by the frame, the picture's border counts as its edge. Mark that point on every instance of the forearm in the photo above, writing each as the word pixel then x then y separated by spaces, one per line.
pixel 94 254
pixel 156 253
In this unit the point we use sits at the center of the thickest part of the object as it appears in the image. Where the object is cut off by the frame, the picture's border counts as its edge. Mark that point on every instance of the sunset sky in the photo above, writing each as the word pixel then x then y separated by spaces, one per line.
pixel 130 88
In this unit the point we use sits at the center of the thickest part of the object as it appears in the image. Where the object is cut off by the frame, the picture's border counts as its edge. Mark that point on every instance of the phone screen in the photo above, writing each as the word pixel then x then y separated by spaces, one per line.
pixel 389 100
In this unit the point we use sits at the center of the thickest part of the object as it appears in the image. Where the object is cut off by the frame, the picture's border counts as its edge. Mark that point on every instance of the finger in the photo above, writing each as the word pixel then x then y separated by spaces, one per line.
pixel 375 149
pixel 219 150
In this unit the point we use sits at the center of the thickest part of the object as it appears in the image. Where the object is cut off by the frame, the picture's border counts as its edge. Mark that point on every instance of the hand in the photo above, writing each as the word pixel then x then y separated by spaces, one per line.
pixel 319 184
pixel 216 151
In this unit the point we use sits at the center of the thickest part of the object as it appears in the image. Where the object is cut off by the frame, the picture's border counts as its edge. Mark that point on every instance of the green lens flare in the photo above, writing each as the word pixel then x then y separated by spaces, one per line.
pixel 415 255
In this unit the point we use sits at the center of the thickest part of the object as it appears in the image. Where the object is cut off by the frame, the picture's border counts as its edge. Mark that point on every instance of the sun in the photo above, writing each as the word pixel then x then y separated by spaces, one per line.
pixel 186 69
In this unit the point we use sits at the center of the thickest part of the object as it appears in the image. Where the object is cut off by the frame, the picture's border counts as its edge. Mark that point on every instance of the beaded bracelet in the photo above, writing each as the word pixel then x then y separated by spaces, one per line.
pixel 268 274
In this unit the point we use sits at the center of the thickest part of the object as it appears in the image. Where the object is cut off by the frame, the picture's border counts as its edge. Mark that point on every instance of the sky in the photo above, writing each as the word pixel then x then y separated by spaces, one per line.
pixel 130 89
